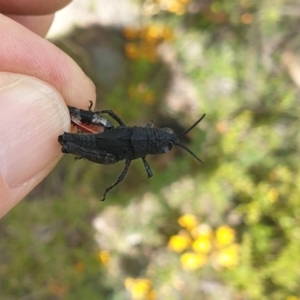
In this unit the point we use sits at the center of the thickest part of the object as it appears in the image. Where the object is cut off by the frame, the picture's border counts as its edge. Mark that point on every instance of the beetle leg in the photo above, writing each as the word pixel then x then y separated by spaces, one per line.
pixel 120 178
pixel 91 105
pixel 97 156
pixel 112 114
pixel 147 167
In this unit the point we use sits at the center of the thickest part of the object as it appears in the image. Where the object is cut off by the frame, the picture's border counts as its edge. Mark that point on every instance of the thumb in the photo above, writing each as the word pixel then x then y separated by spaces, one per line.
pixel 32 115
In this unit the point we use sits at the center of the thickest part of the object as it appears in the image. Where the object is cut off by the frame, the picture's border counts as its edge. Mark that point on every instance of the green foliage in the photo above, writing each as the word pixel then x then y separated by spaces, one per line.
pixel 231 53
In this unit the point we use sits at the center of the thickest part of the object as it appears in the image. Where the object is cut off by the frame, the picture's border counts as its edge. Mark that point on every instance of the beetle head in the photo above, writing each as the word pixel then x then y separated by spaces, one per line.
pixel 168 140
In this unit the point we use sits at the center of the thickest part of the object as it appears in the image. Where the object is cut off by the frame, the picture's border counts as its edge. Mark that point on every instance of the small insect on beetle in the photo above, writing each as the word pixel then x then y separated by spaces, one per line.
pixel 89 121
pixel 121 143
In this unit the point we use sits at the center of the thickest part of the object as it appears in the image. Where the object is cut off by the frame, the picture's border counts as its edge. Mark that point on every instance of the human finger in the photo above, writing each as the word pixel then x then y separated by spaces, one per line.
pixel 37 24
pixel 26 53
pixel 32 115
pixel 32 7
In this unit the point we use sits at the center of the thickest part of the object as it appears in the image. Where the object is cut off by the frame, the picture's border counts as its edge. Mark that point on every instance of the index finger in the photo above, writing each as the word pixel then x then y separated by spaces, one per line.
pixel 32 7
pixel 26 53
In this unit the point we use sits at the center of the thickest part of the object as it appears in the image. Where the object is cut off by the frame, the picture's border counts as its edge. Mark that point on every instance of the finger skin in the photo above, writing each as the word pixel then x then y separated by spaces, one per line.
pixel 32 114
pixel 26 53
pixel 40 25
pixel 32 7
pixel 32 119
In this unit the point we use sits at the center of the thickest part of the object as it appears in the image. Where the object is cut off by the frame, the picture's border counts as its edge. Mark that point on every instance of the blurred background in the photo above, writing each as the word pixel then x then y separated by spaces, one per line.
pixel 228 229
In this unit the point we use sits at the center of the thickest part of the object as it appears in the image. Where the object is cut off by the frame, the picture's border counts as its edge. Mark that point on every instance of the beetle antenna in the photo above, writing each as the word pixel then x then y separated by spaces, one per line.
pixel 185 132
pixel 189 151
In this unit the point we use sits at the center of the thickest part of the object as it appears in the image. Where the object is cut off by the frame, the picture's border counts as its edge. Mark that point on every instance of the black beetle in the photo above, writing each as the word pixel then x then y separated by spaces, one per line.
pixel 121 143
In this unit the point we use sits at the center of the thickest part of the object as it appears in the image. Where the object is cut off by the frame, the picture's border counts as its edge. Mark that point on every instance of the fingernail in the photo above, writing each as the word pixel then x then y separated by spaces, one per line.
pixel 32 115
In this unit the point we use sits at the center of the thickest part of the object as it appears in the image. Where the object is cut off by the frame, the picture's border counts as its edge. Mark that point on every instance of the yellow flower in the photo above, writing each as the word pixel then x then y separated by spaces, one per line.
pixel 193 261
pixel 131 33
pixel 167 34
pixel 153 34
pixel 132 51
pixel 225 235
pixel 292 298
pixel 140 288
pixel 104 257
pixel 202 244
pixel 179 243
pixel 228 257
pixel 177 8
pixel 188 221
